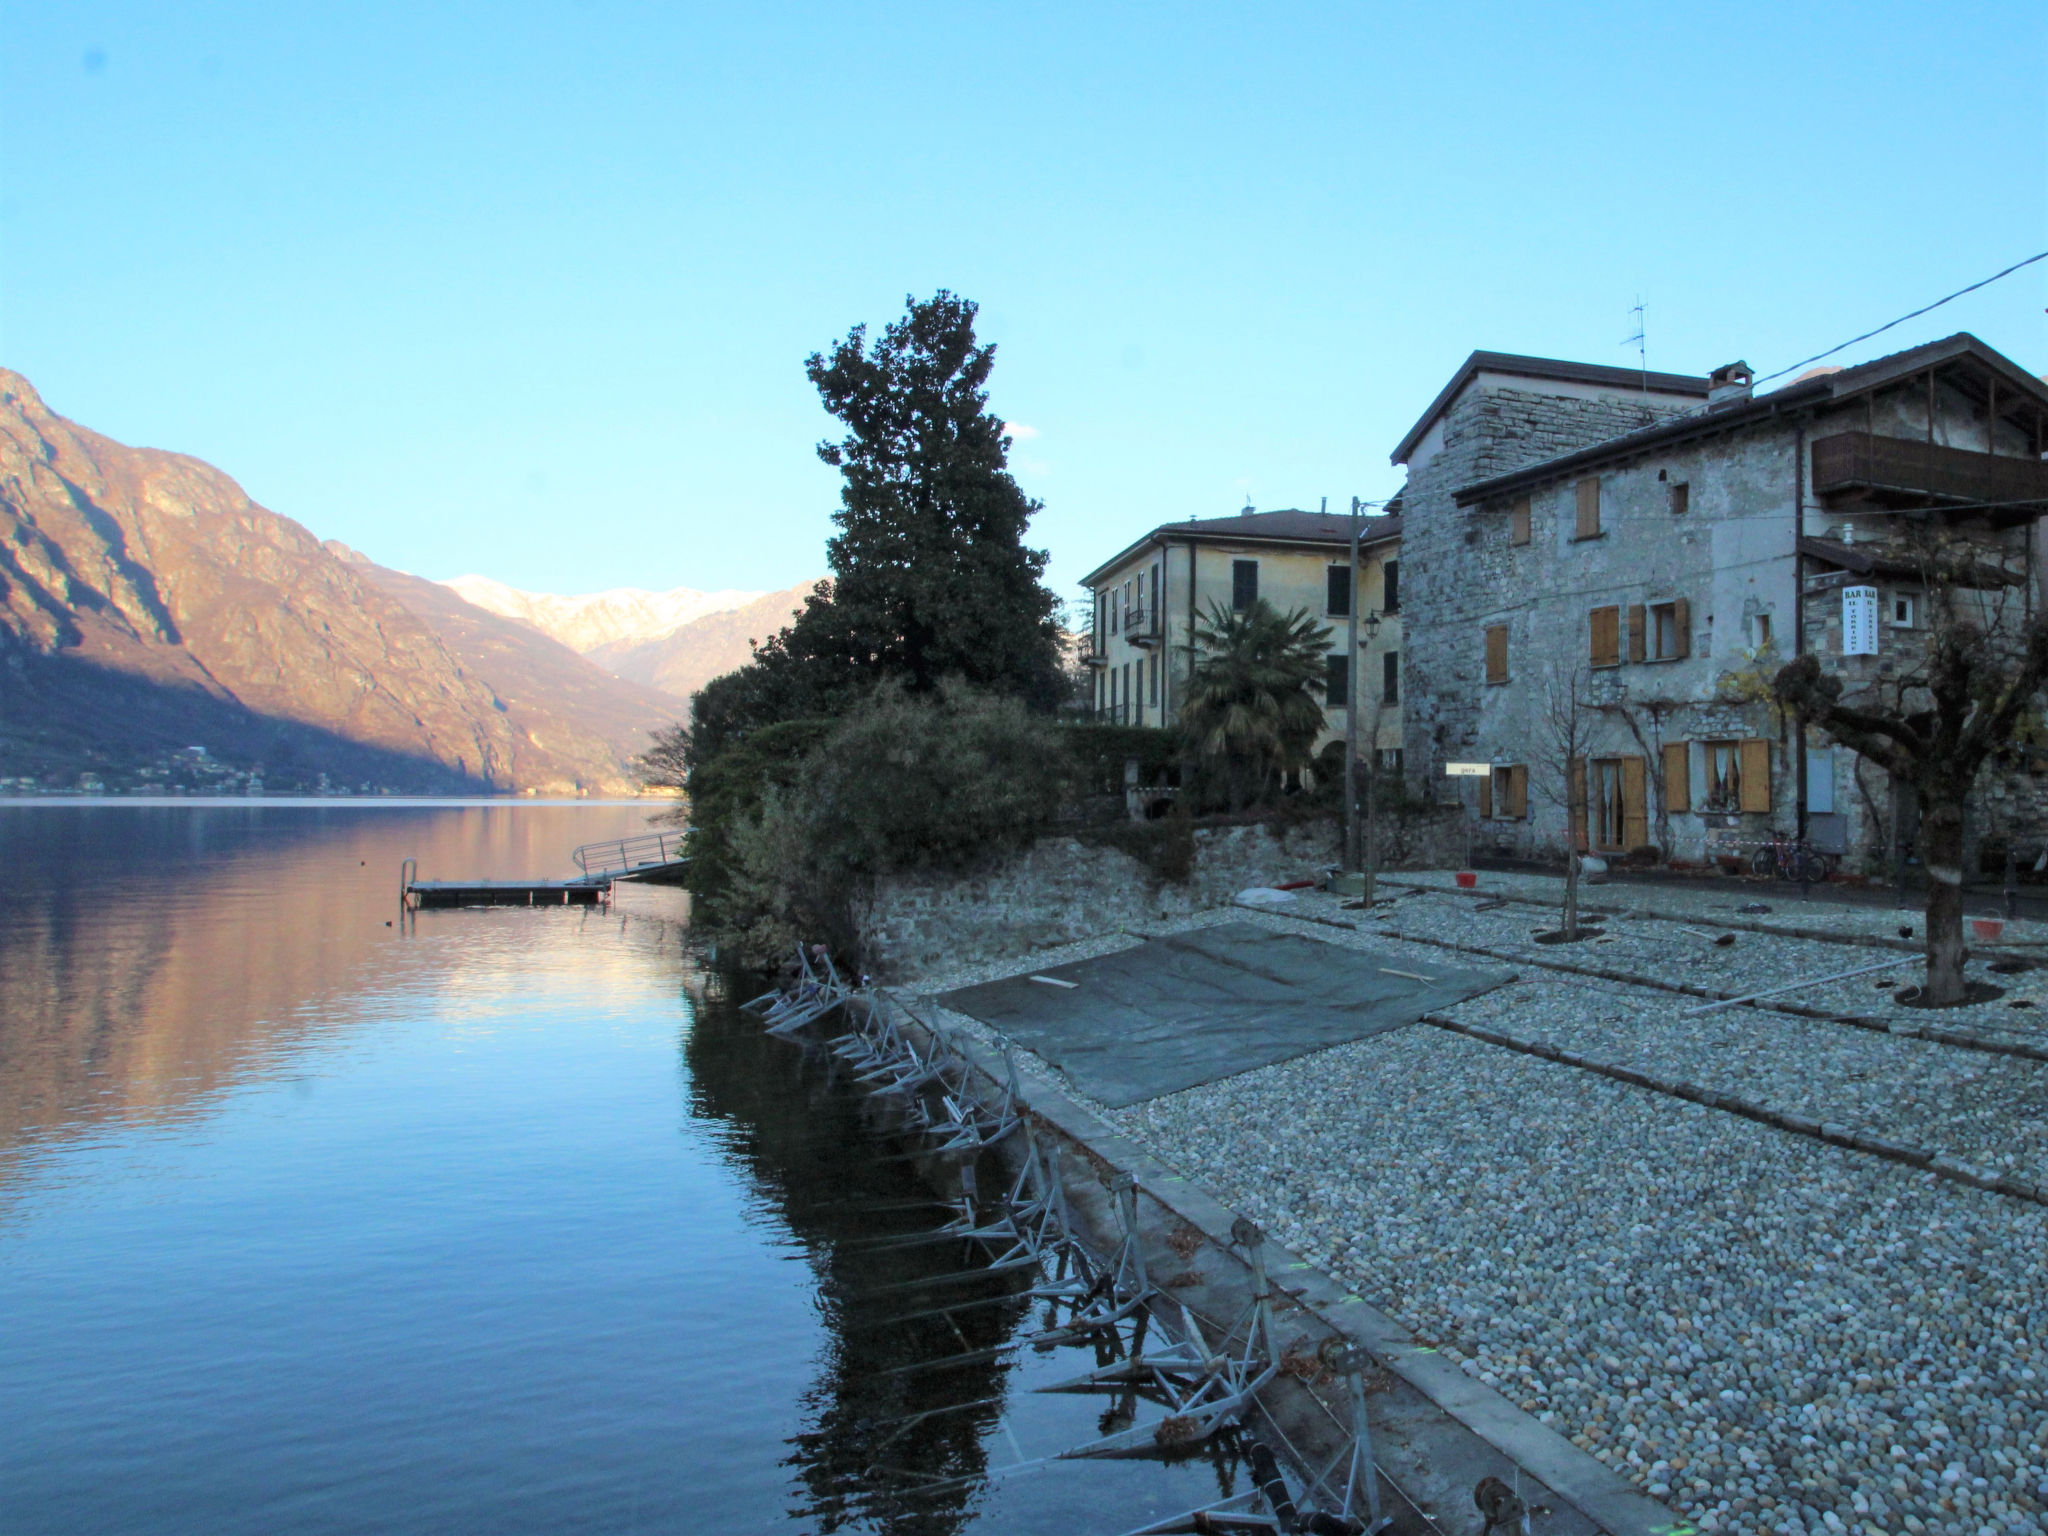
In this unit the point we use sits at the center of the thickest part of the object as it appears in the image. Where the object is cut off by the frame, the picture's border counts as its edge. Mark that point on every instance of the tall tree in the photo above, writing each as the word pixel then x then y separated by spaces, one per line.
pixel 1933 724
pixel 1252 707
pixel 931 578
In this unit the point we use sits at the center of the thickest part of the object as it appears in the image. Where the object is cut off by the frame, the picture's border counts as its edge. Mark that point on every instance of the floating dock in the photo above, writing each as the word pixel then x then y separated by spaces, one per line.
pixel 655 858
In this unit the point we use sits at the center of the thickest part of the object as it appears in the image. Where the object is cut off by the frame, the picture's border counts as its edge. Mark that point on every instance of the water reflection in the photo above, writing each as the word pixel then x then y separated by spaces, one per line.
pixel 153 956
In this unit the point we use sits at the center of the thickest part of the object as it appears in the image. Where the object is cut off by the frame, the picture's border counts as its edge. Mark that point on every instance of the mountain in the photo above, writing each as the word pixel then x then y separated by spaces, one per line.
pixel 685 659
pixel 148 607
pixel 621 616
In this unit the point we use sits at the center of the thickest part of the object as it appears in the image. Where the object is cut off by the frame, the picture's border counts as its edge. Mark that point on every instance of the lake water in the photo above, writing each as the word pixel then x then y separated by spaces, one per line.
pixel 316 1220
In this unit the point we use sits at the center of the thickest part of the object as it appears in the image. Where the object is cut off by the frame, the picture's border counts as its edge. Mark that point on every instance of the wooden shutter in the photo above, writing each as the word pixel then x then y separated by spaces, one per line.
pixel 1575 807
pixel 1518 792
pixel 1677 778
pixel 1756 775
pixel 1606 626
pixel 1589 507
pixel 1638 642
pixel 1486 798
pixel 1635 805
pixel 1681 627
pixel 1496 653
pixel 1518 526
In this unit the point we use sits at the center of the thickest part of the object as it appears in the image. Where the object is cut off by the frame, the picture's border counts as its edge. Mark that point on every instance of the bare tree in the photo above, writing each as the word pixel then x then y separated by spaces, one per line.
pixel 1933 722
pixel 1563 733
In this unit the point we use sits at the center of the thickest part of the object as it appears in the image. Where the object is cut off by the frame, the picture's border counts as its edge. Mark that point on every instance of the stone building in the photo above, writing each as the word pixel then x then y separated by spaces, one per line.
pixel 1646 549
pixel 1148 596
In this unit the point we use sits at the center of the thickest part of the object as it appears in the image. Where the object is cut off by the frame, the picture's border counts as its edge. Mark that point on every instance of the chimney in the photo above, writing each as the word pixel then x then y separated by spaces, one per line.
pixel 1728 384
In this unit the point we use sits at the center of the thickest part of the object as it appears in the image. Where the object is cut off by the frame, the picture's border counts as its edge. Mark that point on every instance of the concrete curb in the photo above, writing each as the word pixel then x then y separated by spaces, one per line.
pixel 1576 1477
pixel 1938 1164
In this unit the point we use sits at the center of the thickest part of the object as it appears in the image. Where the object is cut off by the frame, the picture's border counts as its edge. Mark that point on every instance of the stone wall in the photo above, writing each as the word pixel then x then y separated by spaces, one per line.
pixel 1062 890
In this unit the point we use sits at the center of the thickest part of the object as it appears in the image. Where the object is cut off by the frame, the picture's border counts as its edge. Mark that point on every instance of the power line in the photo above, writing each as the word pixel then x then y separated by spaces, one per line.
pixel 1831 351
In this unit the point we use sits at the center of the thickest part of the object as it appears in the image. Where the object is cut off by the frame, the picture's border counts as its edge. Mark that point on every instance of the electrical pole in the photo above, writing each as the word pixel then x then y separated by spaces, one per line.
pixel 1352 692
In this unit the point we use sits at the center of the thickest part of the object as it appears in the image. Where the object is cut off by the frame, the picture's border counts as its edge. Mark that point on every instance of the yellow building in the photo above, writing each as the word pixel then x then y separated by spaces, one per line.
pixel 1148 596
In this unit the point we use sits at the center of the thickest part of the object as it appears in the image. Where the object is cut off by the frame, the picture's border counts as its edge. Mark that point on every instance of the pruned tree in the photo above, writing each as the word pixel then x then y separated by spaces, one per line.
pixel 666 762
pixel 1564 732
pixel 1934 723
pixel 1251 707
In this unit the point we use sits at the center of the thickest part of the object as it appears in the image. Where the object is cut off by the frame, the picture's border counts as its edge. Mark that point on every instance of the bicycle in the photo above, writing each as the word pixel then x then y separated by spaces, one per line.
pixel 1789 859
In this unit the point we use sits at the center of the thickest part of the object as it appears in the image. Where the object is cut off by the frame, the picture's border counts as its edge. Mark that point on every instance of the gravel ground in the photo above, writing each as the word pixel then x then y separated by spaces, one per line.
pixel 1667 952
pixel 1771 1334
pixel 1715 898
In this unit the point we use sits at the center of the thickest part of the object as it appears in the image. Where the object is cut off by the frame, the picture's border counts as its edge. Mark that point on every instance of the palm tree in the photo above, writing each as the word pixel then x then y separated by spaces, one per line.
pixel 1252 705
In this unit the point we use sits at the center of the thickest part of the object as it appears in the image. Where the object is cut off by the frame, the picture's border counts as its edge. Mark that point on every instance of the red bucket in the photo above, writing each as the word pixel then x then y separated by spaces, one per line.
pixel 1987 928
pixel 1467 880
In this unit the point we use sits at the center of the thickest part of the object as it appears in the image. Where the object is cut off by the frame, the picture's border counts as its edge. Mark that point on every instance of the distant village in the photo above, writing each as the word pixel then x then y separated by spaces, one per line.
pixel 1644 549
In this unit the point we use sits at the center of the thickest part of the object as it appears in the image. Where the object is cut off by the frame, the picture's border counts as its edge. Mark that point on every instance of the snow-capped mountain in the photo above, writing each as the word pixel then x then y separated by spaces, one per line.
pixel 622 616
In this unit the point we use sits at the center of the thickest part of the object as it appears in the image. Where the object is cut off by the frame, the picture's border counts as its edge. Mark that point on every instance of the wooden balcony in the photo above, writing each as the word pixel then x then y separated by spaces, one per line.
pixel 1905 472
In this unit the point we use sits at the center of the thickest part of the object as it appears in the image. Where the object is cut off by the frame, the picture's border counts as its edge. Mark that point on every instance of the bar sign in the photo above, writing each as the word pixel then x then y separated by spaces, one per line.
pixel 1859 621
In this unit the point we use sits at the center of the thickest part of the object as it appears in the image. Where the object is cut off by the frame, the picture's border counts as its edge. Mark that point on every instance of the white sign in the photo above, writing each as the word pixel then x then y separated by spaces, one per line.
pixel 1468 770
pixel 1859 621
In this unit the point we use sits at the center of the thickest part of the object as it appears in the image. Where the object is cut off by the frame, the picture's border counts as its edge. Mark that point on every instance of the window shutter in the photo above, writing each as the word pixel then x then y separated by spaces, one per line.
pixel 1518 792
pixel 1518 526
pixel 1390 680
pixel 1576 800
pixel 1677 778
pixel 1338 600
pixel 1244 584
pixel 1606 627
pixel 1756 775
pixel 1486 798
pixel 1638 645
pixel 1390 587
pixel 1589 507
pixel 1496 653
pixel 1635 808
pixel 1681 625
pixel 1337 681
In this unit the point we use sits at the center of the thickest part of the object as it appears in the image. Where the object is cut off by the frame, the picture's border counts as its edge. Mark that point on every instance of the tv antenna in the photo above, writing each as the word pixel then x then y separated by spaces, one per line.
pixel 1641 345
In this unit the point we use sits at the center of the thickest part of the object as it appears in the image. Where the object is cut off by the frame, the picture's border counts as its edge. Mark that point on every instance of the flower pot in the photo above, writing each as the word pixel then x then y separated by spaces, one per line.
pixel 1467 879
pixel 1987 928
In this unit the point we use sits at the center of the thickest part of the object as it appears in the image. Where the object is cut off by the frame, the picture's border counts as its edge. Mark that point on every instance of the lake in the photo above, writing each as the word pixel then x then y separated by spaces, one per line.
pixel 314 1218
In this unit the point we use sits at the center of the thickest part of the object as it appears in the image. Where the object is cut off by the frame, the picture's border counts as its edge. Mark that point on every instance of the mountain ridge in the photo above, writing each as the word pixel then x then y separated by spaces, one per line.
pixel 585 621
pixel 142 590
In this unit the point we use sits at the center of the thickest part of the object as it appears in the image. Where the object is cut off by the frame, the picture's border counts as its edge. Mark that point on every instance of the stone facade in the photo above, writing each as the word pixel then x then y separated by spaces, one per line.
pixel 1462 571
pixel 1668 614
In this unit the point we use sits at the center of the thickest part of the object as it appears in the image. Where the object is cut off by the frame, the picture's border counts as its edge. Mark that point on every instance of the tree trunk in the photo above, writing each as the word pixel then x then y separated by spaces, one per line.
pixel 1571 877
pixel 1941 855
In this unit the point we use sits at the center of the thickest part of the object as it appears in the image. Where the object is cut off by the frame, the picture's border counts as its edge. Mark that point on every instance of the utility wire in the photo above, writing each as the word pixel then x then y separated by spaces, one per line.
pixel 1831 351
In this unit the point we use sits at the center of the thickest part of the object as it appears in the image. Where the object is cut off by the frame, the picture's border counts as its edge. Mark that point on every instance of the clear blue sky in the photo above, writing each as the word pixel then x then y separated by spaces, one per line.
pixel 526 289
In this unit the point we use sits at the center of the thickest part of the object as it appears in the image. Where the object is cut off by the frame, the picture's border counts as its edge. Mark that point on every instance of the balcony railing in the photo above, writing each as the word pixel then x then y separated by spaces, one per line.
pixel 1903 471
pixel 1141 627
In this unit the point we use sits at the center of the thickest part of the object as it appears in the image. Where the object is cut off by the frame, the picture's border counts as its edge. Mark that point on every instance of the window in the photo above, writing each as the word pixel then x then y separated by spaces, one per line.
pixel 1670 636
pixel 1390 677
pixel 1123 716
pixel 1681 498
pixel 1337 599
pixel 1902 610
pixel 1738 776
pixel 1390 587
pixel 1518 521
pixel 1496 653
pixel 1724 776
pixel 1156 662
pixel 1508 792
pixel 1388 759
pixel 1115 612
pixel 1337 680
pixel 1127 607
pixel 1244 584
pixel 1760 631
pixel 1589 508
pixel 1620 808
pixel 1606 627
